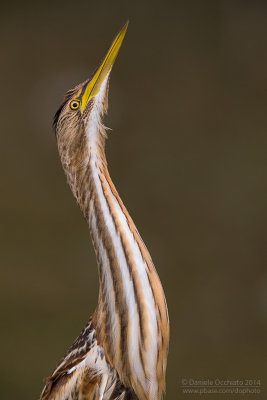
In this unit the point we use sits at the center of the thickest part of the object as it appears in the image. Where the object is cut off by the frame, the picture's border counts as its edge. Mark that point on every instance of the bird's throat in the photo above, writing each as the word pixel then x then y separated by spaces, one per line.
pixel 131 318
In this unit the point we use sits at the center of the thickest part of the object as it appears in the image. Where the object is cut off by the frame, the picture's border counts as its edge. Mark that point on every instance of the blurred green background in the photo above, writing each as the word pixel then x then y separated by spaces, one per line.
pixel 187 152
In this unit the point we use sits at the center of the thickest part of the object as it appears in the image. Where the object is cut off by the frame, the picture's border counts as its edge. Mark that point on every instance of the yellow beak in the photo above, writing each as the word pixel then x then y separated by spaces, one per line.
pixel 93 87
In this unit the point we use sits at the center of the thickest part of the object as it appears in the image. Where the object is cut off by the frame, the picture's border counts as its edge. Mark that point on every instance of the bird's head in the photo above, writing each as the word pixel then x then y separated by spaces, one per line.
pixel 83 106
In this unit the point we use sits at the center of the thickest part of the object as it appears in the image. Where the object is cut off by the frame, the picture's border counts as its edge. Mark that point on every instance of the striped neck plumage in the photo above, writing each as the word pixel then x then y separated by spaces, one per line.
pixel 131 318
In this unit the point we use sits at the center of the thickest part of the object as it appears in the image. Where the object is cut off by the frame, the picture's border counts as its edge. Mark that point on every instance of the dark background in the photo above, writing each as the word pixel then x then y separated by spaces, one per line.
pixel 187 152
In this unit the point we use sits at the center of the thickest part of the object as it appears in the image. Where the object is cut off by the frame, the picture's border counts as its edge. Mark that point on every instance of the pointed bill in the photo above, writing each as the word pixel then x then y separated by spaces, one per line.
pixel 95 83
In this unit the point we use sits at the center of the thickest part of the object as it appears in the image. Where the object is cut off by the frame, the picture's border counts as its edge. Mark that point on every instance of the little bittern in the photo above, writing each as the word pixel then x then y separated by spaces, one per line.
pixel 121 354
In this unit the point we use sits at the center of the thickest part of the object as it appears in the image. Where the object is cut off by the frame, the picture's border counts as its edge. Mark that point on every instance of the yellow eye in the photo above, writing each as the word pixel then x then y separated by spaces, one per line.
pixel 75 104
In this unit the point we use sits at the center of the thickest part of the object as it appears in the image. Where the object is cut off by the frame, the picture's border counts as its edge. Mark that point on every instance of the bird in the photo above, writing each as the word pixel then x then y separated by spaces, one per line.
pixel 121 354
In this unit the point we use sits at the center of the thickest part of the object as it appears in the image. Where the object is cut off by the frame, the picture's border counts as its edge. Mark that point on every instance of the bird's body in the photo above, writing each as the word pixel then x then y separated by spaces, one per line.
pixel 122 352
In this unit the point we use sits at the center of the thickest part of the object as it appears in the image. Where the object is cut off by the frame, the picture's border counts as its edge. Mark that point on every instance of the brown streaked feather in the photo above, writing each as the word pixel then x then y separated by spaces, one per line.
pixel 84 383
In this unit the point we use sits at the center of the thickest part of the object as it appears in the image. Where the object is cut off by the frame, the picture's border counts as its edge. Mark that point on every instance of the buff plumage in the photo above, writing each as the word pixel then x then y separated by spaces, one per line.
pixel 122 352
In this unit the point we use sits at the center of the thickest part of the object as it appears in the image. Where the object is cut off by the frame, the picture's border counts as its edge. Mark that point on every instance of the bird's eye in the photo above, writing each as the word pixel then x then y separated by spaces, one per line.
pixel 75 104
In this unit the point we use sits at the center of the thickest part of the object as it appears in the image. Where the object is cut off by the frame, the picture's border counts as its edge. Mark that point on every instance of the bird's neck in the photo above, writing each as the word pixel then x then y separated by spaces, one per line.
pixel 131 318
